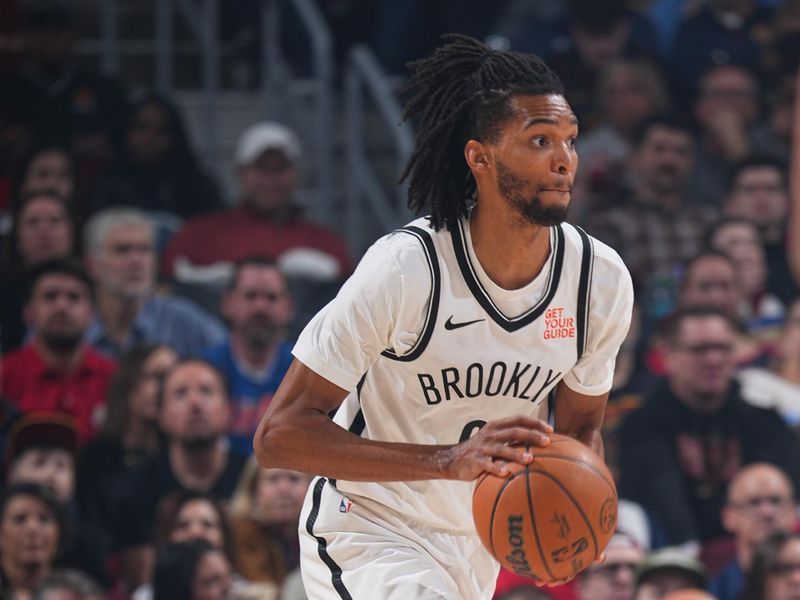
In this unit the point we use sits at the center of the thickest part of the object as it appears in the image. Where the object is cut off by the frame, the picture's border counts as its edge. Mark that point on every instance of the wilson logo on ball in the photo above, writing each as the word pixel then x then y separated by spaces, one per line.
pixel 517 558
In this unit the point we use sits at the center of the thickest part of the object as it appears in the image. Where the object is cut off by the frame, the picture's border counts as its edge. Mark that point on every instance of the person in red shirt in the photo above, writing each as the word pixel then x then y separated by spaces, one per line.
pixel 268 220
pixel 57 371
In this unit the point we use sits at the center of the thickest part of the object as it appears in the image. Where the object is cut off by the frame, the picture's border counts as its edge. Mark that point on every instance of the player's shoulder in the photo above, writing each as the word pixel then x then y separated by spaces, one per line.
pixel 410 245
pixel 604 256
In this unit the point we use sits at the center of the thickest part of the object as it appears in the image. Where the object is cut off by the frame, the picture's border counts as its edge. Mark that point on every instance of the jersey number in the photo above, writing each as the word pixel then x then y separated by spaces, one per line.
pixel 469 429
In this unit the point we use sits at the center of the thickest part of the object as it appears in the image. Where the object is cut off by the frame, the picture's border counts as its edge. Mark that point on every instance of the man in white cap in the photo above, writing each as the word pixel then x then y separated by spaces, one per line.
pixel 266 220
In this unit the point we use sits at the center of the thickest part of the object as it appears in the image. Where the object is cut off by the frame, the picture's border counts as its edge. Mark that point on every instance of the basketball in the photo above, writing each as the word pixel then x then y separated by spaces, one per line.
pixel 550 519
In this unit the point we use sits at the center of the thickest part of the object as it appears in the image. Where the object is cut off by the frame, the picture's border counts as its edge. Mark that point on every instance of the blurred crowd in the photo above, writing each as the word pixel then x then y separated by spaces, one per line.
pixel 146 318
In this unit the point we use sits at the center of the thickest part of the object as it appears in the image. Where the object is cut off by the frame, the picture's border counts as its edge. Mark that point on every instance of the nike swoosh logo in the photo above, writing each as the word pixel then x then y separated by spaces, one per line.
pixel 449 325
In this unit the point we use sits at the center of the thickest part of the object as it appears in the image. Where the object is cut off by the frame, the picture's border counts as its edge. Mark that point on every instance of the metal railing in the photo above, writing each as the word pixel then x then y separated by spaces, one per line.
pixel 280 87
pixel 364 188
pixel 277 80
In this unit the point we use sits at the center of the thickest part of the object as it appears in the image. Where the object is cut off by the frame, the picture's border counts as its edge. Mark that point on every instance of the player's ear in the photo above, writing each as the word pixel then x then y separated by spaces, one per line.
pixel 477 156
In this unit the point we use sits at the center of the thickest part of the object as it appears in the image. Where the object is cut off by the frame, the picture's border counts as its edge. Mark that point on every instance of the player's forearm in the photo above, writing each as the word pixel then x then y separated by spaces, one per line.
pixel 312 443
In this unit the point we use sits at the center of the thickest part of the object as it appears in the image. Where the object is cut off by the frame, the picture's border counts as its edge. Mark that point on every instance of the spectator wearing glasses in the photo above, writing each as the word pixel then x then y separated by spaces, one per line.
pixel 760 503
pixel 775 572
pixel 680 450
pixel 615 578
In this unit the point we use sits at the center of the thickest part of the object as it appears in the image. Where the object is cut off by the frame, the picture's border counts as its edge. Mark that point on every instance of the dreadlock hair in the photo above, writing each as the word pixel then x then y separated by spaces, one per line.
pixel 461 92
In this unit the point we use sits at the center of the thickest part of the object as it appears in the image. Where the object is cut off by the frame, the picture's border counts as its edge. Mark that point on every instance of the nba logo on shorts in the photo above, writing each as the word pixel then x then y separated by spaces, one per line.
pixel 344 505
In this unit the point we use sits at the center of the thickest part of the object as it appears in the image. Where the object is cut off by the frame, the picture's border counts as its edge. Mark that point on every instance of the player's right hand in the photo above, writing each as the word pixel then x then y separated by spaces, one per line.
pixel 496 444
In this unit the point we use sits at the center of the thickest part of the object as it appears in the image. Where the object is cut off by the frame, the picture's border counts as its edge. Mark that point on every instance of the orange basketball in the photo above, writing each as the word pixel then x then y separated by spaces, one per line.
pixel 552 518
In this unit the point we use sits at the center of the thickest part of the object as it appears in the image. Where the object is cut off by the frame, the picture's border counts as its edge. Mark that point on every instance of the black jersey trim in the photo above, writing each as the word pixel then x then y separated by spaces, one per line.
pixel 482 296
pixel 584 291
pixel 433 306
pixel 322 544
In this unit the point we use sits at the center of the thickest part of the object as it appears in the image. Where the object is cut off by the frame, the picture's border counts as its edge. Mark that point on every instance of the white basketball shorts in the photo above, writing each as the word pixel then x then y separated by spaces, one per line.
pixel 356 549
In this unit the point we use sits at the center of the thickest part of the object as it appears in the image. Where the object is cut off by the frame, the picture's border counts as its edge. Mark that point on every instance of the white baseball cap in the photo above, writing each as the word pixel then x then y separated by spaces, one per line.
pixel 268 135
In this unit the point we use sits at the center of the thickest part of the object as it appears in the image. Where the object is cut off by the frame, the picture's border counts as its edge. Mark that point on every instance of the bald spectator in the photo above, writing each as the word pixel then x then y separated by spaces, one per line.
pixel 760 503
pixel 57 371
pixel 121 255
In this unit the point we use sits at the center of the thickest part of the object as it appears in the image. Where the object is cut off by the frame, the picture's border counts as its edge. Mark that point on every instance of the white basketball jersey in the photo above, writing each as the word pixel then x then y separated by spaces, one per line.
pixel 470 365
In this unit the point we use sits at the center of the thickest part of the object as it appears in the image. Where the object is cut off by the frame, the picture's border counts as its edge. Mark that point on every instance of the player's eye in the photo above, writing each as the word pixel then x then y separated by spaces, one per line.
pixel 539 140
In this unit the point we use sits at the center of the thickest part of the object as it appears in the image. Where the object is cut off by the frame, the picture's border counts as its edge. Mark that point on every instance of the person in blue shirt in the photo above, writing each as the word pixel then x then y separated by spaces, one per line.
pixel 120 246
pixel 257 353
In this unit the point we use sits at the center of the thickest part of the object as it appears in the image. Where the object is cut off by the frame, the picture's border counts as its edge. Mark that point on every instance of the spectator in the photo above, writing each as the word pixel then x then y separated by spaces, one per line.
pixel 628 93
pixel 69 102
pixel 187 516
pixel 41 449
pixel 760 310
pixel 760 503
pixel 57 371
pixel 679 451
pixel 68 585
pixel 121 255
pixel 31 530
pixel 758 192
pixel 267 221
pixel 726 109
pixel 599 34
pixel 194 416
pixel 667 571
pixel 130 434
pixel 656 227
pixel 723 32
pixel 49 167
pixel 615 577
pixel 257 354
pixel 710 280
pixel 775 571
pixel 265 515
pixel 192 570
pixel 42 229
pixel 158 170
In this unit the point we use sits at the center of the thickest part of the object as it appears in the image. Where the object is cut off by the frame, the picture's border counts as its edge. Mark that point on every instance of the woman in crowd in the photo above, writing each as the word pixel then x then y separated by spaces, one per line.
pixel 264 516
pixel 192 570
pixel 775 571
pixel 187 516
pixel 47 167
pixel 158 171
pixel 43 228
pixel 31 528
pixel 130 431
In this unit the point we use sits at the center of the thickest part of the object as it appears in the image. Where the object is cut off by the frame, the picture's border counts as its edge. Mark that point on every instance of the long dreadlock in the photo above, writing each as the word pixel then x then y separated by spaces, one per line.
pixel 462 92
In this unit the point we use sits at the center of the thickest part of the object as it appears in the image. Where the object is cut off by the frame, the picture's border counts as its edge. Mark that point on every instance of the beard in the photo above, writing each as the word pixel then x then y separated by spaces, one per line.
pixel 258 333
pixel 531 209
pixel 199 443
pixel 61 342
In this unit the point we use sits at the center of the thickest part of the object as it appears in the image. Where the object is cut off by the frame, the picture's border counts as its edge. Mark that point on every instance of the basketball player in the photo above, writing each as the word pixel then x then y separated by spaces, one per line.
pixel 440 353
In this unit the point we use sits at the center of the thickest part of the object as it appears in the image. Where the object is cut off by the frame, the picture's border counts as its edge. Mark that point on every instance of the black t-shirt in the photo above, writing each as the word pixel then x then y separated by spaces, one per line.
pixel 677 463
pixel 147 484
